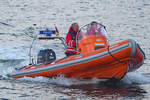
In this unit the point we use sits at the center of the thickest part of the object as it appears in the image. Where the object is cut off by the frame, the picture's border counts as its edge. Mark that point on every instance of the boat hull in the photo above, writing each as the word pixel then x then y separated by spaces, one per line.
pixel 106 63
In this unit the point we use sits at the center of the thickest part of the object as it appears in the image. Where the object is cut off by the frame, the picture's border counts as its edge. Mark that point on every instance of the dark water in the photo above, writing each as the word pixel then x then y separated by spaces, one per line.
pixel 23 90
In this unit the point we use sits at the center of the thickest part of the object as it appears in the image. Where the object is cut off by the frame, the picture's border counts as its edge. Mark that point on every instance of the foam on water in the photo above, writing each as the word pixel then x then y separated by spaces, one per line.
pixel 5 72
pixel 55 80
pixel 11 57
pixel 130 78
pixel 61 80
pixel 135 77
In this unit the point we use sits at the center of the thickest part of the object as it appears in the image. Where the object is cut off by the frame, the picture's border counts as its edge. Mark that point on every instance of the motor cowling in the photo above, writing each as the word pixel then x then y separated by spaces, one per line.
pixel 46 56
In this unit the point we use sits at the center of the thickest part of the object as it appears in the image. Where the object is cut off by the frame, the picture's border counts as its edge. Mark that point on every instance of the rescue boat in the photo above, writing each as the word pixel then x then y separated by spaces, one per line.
pixel 96 58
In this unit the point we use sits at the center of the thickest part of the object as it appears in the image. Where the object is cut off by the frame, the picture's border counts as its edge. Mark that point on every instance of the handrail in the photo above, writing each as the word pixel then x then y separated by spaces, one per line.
pixel 56 37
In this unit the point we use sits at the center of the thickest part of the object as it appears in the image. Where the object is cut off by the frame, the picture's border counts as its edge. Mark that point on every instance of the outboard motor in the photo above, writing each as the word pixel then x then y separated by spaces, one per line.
pixel 46 56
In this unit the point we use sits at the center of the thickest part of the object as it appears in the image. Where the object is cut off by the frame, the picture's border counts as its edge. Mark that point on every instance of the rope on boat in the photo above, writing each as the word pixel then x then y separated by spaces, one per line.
pixel 116 58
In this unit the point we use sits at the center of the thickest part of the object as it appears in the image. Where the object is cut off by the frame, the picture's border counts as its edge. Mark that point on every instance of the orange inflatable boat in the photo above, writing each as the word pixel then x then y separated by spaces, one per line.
pixel 96 58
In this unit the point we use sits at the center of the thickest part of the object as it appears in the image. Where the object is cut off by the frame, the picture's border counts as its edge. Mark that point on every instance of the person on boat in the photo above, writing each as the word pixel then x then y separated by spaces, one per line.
pixel 71 40
pixel 92 28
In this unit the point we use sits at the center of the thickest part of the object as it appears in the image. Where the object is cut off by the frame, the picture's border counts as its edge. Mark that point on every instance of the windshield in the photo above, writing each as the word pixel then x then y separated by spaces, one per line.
pixel 92 29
